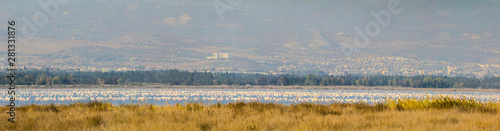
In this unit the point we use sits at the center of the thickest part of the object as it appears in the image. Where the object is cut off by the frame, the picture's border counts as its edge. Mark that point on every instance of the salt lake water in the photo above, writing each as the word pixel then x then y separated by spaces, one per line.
pixel 212 96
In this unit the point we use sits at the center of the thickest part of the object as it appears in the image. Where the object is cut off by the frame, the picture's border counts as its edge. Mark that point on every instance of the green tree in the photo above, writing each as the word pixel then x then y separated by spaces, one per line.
pixel 120 81
pixel 412 83
pixel 358 82
pixel 428 82
pixel 57 80
pixel 189 81
pixel 283 81
pixel 261 81
pixel 325 81
pixel 310 79
pixel 48 80
pixel 41 79
pixel 367 81
pixel 395 82
pixel 439 82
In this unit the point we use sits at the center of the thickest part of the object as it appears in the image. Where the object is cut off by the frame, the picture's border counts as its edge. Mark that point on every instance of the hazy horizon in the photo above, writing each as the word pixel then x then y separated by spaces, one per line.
pixel 423 37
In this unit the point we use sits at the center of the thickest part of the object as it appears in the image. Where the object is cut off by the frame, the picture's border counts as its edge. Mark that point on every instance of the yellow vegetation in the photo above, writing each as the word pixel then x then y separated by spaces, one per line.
pixel 436 113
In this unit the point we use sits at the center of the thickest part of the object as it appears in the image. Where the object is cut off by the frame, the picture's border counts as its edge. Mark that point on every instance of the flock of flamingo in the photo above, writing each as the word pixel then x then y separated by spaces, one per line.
pixel 172 96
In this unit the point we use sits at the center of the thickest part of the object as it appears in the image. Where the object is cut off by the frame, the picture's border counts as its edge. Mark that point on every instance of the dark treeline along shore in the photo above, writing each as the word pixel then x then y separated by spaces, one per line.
pixel 178 77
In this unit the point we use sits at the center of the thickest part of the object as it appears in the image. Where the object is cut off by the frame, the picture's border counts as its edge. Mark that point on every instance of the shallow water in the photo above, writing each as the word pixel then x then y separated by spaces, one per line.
pixel 211 96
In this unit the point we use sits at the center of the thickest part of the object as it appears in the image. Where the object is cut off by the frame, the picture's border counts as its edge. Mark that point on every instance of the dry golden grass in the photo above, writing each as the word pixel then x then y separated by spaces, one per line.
pixel 438 113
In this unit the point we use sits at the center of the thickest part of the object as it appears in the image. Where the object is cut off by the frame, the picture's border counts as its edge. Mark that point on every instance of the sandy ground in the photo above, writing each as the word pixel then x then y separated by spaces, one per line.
pixel 387 88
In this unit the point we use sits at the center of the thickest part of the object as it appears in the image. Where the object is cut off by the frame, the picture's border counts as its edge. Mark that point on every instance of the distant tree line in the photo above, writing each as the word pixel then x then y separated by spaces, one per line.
pixel 178 77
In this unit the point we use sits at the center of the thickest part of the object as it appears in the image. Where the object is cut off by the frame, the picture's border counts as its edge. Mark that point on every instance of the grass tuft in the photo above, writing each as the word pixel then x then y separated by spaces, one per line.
pixel 443 102
pixel 95 121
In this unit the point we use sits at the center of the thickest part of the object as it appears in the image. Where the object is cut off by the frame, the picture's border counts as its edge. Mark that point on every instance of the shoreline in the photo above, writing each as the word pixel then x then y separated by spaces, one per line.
pixel 375 88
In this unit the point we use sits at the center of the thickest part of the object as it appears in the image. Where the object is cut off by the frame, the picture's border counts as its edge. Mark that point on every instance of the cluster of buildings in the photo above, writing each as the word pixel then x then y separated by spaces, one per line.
pixel 394 66
pixel 219 56
pixel 289 64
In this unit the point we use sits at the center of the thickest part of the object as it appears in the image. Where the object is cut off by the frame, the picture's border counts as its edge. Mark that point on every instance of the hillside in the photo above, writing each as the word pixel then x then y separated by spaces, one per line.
pixel 278 36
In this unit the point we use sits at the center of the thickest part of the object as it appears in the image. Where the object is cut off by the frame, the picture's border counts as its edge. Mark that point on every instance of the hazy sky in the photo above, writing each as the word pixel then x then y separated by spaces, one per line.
pixel 462 26
pixel 284 15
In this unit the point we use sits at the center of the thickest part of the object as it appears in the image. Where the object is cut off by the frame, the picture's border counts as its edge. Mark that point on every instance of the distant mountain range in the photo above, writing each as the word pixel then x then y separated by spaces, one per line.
pixel 304 33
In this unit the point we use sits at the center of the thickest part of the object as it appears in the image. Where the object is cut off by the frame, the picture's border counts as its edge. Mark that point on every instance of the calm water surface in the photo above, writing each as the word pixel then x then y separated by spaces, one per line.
pixel 211 96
